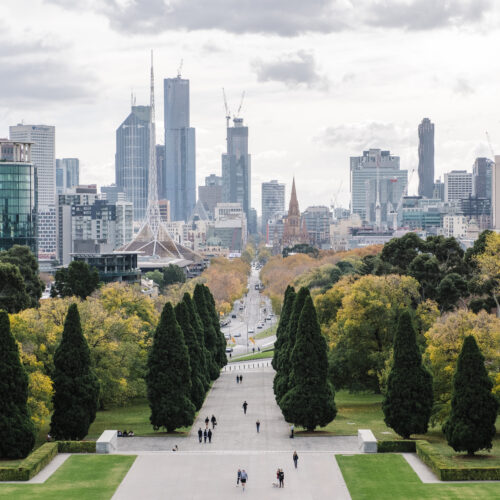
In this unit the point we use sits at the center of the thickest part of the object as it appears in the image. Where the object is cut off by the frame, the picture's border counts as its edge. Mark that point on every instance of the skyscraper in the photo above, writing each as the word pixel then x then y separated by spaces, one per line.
pixel 67 173
pixel 457 185
pixel 426 158
pixel 481 178
pixel 211 193
pixel 132 159
pixel 179 180
pixel 495 193
pixel 236 167
pixel 43 155
pixel 273 201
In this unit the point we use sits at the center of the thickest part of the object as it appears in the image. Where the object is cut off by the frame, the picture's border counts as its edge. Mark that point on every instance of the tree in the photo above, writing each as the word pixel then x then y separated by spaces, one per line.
pixel 168 377
pixel 471 425
pixel 282 325
pixel 448 252
pixel 450 290
pixel 17 434
pixel 22 257
pixel 282 378
pixel 220 341
pixel 489 265
pixel 13 294
pixel 195 354
pixel 210 336
pixel 173 274
pixel 77 280
pixel 425 269
pixel 157 277
pixel 399 252
pixel 309 402
pixel 408 401
pixel 76 387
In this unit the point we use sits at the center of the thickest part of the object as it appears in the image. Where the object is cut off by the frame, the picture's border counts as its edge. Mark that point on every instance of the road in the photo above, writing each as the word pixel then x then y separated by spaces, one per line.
pixel 248 319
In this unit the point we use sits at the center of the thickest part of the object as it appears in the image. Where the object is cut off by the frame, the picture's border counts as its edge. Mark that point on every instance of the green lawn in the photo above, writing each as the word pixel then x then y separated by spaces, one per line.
pixel 92 477
pixel 133 417
pixel 257 355
pixel 266 333
pixel 384 476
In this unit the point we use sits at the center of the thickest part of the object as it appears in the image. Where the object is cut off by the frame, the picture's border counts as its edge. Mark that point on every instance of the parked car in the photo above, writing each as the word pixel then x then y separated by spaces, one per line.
pixel 233 315
pixel 229 349
pixel 251 331
pixel 237 334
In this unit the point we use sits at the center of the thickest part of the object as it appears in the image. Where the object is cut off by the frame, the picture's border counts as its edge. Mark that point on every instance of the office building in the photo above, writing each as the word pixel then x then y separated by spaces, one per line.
pixel 179 179
pixel 273 201
pixel 478 209
pixel 390 191
pixel 455 226
pixel 438 192
pixel 112 193
pixel 211 193
pixel 160 169
pixel 426 158
pixel 481 178
pixel 230 227
pixel 164 206
pixel 43 157
pixel 374 164
pixel 17 196
pixel 112 266
pixel 317 221
pixel 495 193
pixel 132 159
pixel 457 185
pixel 236 167
pixel 67 174
pixel 252 221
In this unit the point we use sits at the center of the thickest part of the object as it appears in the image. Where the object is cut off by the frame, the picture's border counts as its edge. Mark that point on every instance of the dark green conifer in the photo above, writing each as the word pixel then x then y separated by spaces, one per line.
pixel 17 434
pixel 408 401
pixel 220 341
pixel 471 424
pixel 286 310
pixel 195 354
pixel 76 387
pixel 309 402
pixel 168 377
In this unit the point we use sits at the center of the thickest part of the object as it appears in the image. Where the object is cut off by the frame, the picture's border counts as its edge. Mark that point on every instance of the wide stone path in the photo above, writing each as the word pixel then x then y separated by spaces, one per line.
pixel 208 471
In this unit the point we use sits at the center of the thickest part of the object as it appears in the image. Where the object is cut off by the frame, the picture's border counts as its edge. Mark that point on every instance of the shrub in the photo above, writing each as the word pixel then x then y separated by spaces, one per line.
pixel 76 446
pixel 400 446
pixel 31 465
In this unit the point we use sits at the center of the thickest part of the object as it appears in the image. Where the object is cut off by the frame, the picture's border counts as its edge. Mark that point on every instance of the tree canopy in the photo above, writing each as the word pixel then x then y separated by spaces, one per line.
pixel 13 294
pixel 77 280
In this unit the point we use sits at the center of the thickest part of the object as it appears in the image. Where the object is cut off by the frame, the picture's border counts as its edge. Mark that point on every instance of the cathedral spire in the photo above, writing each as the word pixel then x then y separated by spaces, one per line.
pixel 293 208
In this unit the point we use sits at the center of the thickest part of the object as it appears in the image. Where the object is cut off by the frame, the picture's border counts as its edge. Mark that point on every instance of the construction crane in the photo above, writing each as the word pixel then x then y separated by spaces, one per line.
pixel 226 107
pixel 333 203
pixel 179 69
pixel 489 144
pixel 237 115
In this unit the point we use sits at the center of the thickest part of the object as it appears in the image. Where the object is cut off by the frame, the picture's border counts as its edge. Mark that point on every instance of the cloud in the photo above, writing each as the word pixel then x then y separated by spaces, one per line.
pixel 291 69
pixel 365 135
pixel 463 87
pixel 425 14
pixel 280 17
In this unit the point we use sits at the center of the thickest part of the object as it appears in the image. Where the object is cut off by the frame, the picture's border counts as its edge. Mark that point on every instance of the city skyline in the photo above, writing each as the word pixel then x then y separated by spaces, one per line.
pixel 320 72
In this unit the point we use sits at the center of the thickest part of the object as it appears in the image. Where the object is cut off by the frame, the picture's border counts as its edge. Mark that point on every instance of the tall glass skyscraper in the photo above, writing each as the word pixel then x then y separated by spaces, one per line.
pixel 132 159
pixel 236 167
pixel 273 201
pixel 179 180
pixel 67 174
pixel 426 158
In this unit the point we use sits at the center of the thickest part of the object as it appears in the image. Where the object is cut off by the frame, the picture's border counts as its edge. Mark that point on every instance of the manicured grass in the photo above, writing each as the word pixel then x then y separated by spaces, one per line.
pixel 257 355
pixel 133 417
pixel 92 477
pixel 383 476
pixel 266 333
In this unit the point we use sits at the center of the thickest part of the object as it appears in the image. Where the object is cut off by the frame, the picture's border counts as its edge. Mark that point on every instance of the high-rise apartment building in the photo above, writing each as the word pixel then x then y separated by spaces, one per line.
pixel 273 201
pixel 374 164
pixel 317 221
pixel 457 185
pixel 18 214
pixel 67 174
pixel 438 193
pixel 179 179
pixel 236 167
pixel 481 178
pixel 211 193
pixel 43 155
pixel 132 159
pixel 426 158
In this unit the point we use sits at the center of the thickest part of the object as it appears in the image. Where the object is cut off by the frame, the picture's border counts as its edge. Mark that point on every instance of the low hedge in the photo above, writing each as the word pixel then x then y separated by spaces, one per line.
pixel 76 446
pixel 446 472
pixel 31 465
pixel 400 446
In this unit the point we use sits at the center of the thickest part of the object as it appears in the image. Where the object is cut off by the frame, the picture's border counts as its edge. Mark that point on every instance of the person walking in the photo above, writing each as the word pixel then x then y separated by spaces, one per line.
pixel 257 424
pixel 241 379
pixel 200 434
pixel 237 379
pixel 295 458
pixel 292 430
pixel 281 478
pixel 245 404
pixel 244 478
pixel 205 435
pixel 214 421
pixel 206 423
pixel 238 477
pixel 209 434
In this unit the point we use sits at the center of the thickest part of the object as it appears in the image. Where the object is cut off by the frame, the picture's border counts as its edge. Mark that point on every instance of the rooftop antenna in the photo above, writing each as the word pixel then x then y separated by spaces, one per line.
pixel 179 69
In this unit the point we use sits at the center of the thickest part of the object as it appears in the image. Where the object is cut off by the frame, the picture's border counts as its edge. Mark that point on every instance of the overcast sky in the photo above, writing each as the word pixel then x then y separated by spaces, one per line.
pixel 324 79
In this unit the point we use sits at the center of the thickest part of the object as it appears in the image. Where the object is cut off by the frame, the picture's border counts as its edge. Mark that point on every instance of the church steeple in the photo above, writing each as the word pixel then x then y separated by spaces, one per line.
pixel 293 208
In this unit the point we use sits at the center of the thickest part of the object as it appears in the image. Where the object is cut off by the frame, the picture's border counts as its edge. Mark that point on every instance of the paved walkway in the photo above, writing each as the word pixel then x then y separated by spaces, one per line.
pixel 209 470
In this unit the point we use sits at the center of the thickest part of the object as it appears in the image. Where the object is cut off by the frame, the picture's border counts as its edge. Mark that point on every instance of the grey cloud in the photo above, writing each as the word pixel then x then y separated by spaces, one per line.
pixel 291 69
pixel 365 135
pixel 425 14
pixel 463 87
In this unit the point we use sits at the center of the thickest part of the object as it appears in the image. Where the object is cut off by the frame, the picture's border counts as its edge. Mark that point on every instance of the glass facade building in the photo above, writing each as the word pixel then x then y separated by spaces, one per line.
pixel 18 207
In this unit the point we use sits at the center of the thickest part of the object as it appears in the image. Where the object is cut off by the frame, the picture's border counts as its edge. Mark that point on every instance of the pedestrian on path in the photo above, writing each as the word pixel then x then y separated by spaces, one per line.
pixel 209 433
pixel 214 421
pixel 241 379
pixel 245 404
pixel 295 458
pixel 237 379
pixel 281 478
pixel 257 424
pixel 238 477
pixel 205 435
pixel 244 477
pixel 206 422
pixel 200 434
pixel 292 430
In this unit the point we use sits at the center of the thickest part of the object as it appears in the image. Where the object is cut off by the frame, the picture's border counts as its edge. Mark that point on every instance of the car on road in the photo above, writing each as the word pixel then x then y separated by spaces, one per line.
pixel 268 318
pixel 237 334
pixel 251 331
pixel 229 349
pixel 227 336
pixel 233 315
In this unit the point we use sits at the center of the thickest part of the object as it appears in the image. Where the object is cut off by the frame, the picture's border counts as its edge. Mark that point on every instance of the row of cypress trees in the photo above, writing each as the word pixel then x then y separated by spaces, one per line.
pixel 188 352
pixel 408 401
pixel 301 387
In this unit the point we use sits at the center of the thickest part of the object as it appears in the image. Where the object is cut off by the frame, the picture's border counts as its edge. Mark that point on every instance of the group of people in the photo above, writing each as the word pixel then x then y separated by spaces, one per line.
pixel 239 379
pixel 126 434
pixel 207 432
